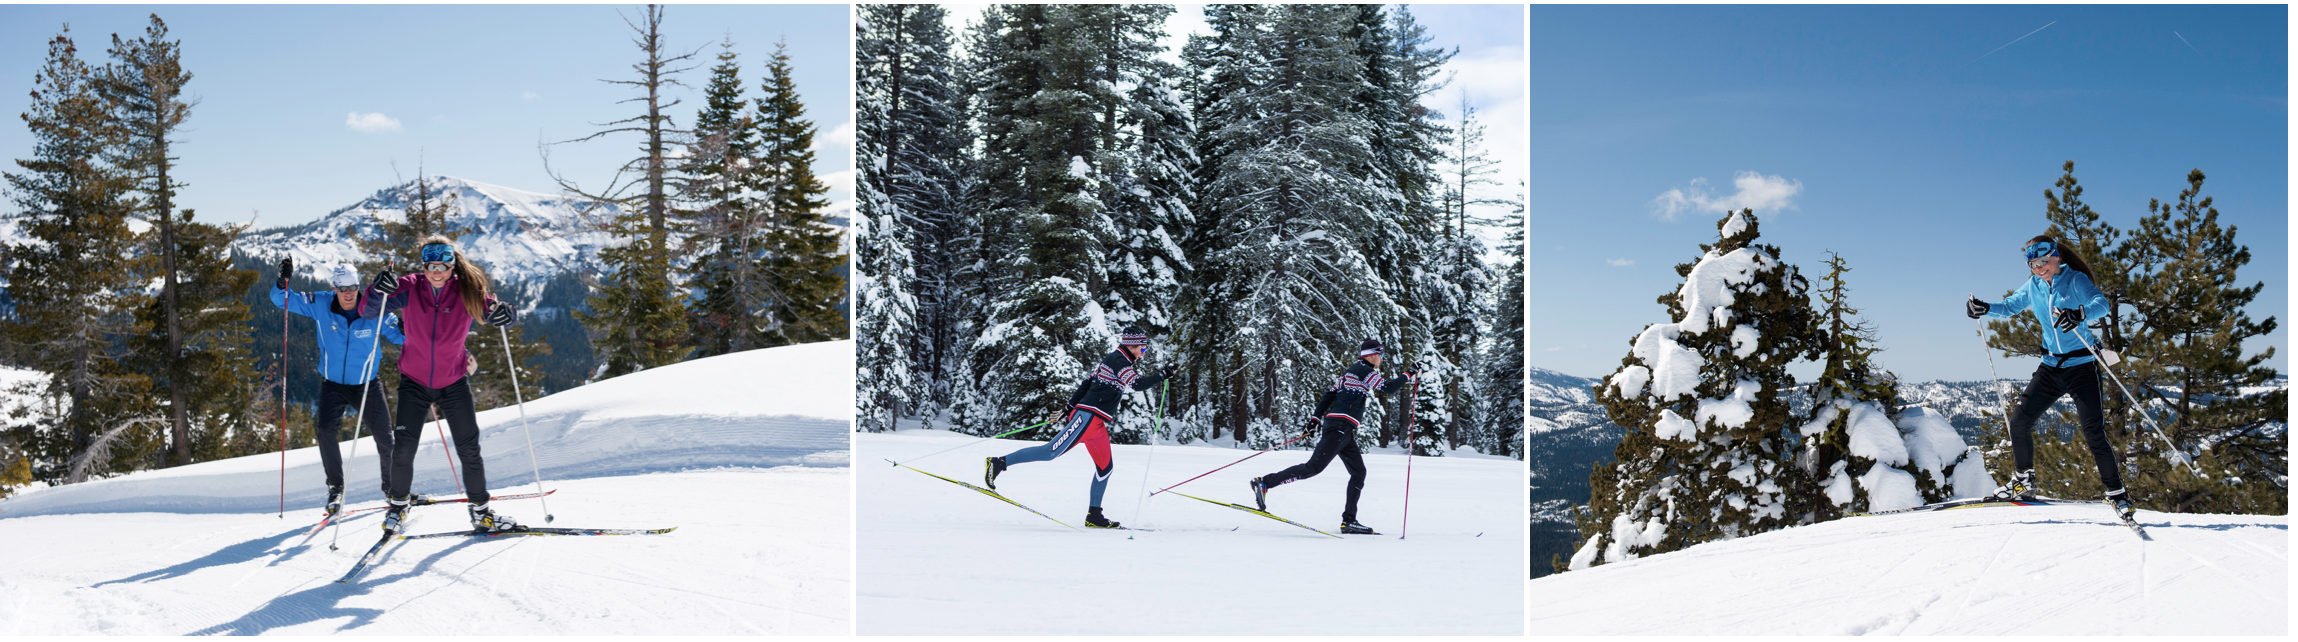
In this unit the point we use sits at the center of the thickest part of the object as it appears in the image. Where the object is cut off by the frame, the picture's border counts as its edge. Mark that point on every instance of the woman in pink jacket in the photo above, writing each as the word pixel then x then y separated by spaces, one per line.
pixel 435 309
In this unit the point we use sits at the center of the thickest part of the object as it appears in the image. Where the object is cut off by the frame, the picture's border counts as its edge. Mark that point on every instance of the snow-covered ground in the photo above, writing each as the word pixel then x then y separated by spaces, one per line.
pixel 933 558
pixel 747 454
pixel 2046 570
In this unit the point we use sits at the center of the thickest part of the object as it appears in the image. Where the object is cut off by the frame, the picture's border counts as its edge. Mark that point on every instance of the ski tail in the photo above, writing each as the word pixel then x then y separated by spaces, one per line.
pixel 375 552
pixel 1259 512
pixel 994 494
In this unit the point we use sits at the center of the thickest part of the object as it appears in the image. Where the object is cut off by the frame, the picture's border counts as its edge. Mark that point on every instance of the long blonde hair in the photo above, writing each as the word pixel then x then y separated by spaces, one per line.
pixel 473 287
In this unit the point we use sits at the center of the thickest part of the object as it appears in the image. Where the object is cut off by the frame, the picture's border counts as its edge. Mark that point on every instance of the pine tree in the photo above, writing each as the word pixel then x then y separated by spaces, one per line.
pixel 637 317
pixel 146 81
pixel 1503 375
pixel 795 293
pixel 211 358
pixel 1704 402
pixel 73 290
pixel 719 176
pixel 2187 365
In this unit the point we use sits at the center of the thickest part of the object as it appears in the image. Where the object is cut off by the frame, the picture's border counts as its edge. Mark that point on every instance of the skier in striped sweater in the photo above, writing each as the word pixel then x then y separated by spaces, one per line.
pixel 1090 409
pixel 1339 412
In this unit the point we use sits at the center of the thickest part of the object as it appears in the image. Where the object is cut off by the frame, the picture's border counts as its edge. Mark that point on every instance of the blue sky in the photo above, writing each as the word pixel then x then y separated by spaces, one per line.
pixel 1909 139
pixel 463 91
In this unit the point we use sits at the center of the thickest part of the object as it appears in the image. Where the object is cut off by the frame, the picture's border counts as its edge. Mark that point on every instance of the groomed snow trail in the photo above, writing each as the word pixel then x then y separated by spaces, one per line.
pixel 745 454
pixel 2045 570
pixel 937 559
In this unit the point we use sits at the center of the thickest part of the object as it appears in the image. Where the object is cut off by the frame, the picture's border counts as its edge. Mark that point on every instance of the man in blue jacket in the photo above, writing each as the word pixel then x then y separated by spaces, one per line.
pixel 347 362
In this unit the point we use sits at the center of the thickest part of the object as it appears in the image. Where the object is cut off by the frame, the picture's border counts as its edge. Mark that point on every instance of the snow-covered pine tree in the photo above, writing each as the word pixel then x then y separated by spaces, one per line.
pixel 637 319
pixel 1860 451
pixel 1503 384
pixel 1292 211
pixel 2186 363
pixel 1212 379
pixel 1703 399
pixel 1040 132
pixel 888 41
pixel 73 288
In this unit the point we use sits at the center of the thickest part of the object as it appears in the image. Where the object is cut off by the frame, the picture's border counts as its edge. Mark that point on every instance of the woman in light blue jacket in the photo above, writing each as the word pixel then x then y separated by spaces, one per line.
pixel 2060 295
pixel 347 362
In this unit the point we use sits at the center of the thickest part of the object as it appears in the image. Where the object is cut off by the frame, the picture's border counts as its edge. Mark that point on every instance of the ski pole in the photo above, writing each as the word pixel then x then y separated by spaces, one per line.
pixel 283 411
pixel 1165 389
pixel 1233 463
pixel 2139 406
pixel 451 474
pixel 944 450
pixel 1411 401
pixel 548 517
pixel 1996 379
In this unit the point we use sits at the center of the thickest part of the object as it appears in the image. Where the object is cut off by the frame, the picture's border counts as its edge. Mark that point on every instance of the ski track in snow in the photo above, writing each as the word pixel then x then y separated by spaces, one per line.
pixel 933 558
pixel 745 454
pixel 2045 570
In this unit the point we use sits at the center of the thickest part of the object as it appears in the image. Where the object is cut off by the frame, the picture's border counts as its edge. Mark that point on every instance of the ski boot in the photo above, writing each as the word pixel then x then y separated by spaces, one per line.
pixel 1351 527
pixel 2120 499
pixel 334 499
pixel 990 468
pixel 484 519
pixel 2021 487
pixel 1260 494
pixel 1094 519
pixel 395 517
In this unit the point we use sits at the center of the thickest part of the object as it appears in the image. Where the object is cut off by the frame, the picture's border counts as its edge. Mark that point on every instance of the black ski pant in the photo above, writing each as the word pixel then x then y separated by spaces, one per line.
pixel 334 398
pixel 2081 382
pixel 1337 439
pixel 454 404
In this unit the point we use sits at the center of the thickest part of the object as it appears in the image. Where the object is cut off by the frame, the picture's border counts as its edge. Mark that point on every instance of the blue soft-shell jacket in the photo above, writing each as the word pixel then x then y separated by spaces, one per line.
pixel 346 344
pixel 2070 289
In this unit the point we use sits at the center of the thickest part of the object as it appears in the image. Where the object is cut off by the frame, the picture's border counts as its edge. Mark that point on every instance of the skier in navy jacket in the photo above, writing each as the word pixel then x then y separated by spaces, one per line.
pixel 2059 293
pixel 1339 411
pixel 348 357
pixel 1092 406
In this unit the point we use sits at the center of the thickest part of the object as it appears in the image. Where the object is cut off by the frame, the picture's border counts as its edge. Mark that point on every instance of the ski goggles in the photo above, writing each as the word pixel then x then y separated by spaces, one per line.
pixel 437 253
pixel 2040 249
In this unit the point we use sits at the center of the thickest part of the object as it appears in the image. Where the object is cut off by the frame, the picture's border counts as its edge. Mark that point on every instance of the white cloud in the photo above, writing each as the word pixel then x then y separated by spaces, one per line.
pixel 1620 262
pixel 528 95
pixel 1764 194
pixel 371 123
pixel 840 137
pixel 841 183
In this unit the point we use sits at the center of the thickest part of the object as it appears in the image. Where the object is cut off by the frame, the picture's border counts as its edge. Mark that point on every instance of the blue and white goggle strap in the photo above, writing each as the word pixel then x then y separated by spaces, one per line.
pixel 2040 249
pixel 438 253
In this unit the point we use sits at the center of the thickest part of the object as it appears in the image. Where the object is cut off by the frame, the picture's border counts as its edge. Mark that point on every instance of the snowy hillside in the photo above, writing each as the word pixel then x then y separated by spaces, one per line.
pixel 746 454
pixel 936 558
pixel 523 238
pixel 2045 570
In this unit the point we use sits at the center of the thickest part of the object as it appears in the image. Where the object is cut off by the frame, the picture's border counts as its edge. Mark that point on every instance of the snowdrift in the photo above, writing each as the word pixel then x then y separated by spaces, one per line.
pixel 2044 570
pixel 933 558
pixel 787 406
pixel 745 454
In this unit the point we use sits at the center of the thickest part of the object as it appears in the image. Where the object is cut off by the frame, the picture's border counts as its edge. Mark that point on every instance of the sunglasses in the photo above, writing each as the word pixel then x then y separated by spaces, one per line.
pixel 2038 263
pixel 346 289
pixel 438 267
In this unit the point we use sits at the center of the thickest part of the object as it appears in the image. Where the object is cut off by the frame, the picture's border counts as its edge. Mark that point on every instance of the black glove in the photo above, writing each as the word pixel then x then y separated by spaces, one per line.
pixel 386 283
pixel 499 314
pixel 1310 430
pixel 1408 374
pixel 1166 371
pixel 2067 319
pixel 1975 308
pixel 286 268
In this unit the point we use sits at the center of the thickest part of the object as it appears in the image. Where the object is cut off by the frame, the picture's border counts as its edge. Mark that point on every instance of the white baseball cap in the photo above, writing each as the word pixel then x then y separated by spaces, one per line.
pixel 343 276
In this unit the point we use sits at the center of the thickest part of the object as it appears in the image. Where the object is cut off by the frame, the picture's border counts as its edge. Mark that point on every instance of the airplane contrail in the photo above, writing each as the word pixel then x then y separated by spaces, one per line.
pixel 2012 42
pixel 2189 44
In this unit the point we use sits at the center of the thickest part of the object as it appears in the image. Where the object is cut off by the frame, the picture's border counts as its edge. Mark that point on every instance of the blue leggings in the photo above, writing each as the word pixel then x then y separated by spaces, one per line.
pixel 1082 426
